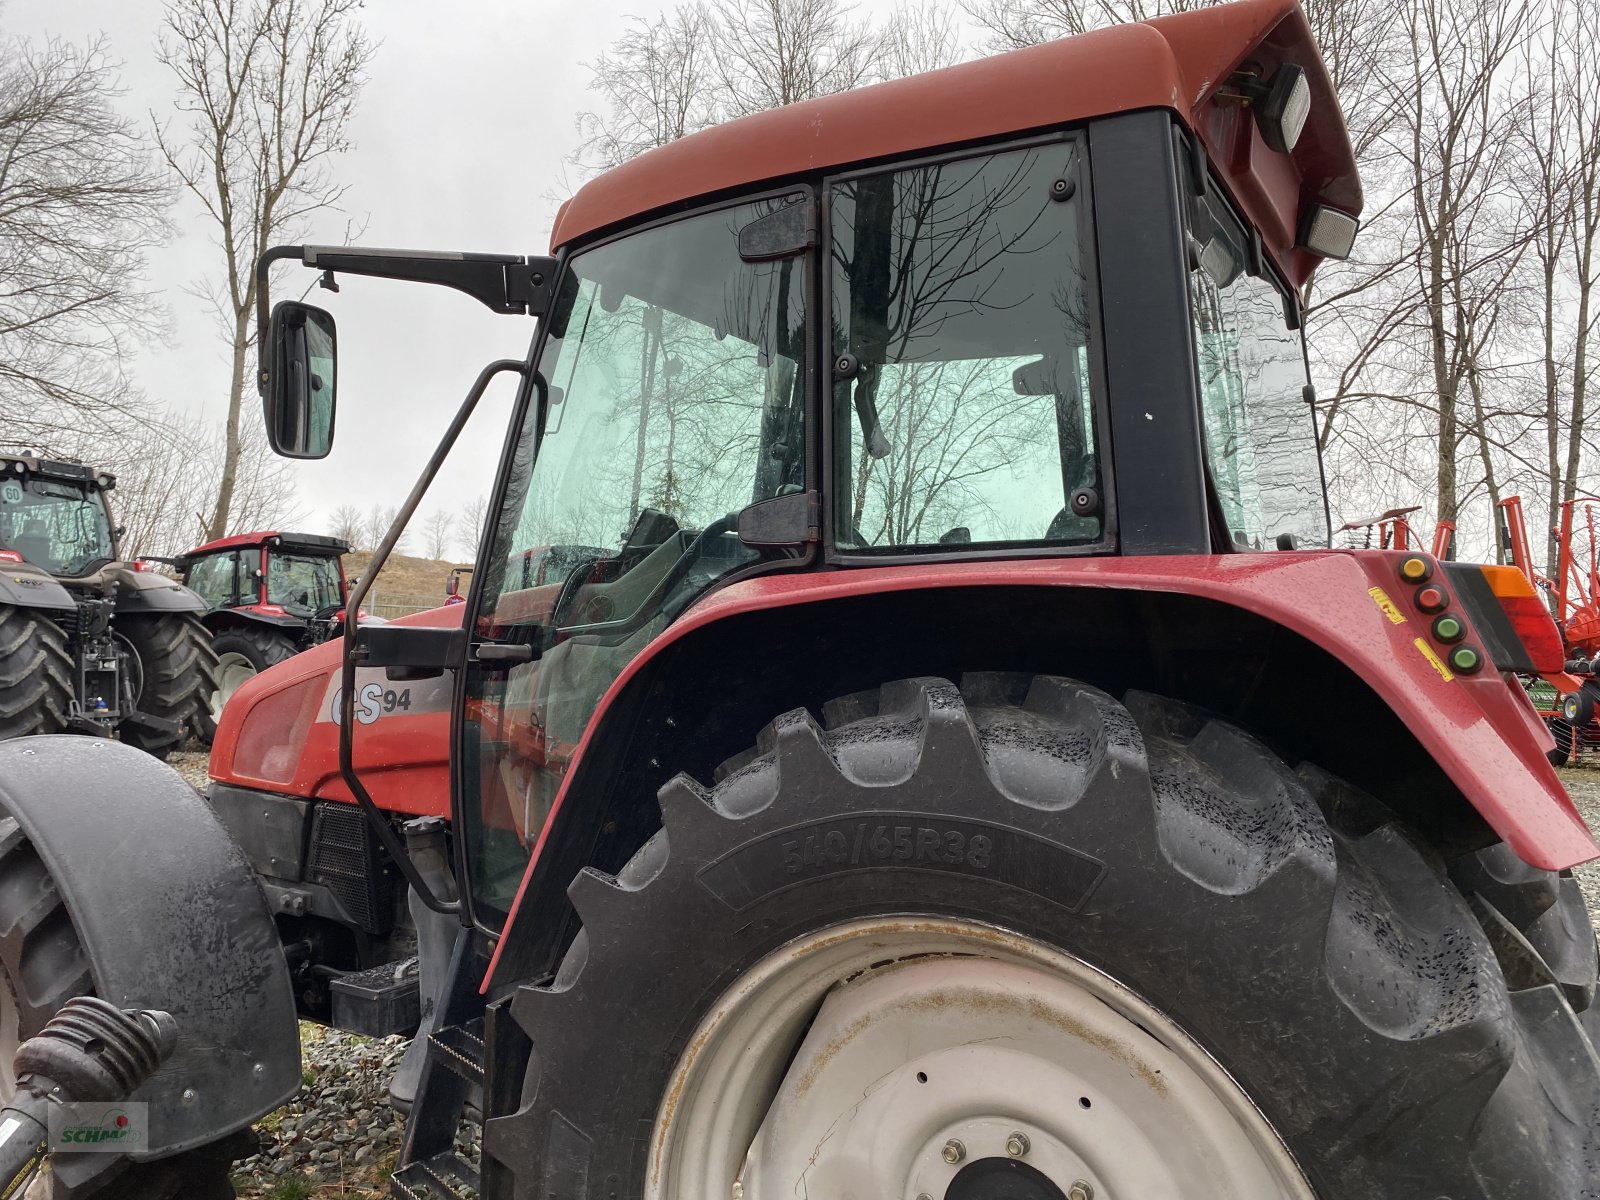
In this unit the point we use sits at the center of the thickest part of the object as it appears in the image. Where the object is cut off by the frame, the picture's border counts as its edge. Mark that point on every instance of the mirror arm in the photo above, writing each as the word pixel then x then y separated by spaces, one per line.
pixel 264 308
pixel 347 699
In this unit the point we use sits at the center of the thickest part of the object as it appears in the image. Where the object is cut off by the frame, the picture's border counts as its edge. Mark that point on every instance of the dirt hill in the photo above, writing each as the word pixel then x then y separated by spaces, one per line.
pixel 406 584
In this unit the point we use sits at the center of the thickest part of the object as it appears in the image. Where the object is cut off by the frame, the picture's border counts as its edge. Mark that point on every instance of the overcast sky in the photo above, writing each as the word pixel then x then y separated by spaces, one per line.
pixel 460 140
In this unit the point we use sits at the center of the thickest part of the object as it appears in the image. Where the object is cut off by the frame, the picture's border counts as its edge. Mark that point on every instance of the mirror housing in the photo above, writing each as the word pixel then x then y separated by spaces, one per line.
pixel 411 651
pixel 299 376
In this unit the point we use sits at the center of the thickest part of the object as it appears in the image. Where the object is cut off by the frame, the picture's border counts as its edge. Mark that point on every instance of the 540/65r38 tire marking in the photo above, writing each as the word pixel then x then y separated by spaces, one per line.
pixel 910 841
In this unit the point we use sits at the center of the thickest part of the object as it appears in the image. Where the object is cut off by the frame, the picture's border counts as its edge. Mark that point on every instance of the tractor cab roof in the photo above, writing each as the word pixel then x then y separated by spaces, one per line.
pixel 1180 63
pixel 299 543
pixel 63 469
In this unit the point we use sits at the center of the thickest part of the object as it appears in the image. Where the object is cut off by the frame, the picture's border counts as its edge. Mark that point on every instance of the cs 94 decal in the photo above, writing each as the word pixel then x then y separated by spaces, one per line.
pixel 377 697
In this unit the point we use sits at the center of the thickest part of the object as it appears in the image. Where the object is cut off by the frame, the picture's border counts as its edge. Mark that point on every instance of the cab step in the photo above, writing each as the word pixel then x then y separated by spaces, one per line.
pixel 442 1177
pixel 459 1049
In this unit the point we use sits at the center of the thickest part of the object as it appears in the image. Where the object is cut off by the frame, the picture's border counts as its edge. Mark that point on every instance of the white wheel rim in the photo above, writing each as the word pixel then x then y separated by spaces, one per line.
pixel 233 669
pixel 849 1060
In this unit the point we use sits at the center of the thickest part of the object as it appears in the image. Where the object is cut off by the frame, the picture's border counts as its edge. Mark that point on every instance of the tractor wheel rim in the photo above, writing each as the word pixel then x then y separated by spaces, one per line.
pixel 233 669
pixel 923 1057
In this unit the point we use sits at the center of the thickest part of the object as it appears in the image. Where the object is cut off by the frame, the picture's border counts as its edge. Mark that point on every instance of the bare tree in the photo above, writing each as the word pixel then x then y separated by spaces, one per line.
pixel 436 531
pixel 469 524
pixel 917 38
pixel 266 91
pixel 81 201
pixel 707 61
pixel 656 80
pixel 167 473
pixel 775 52
pixel 350 527
pixel 1560 160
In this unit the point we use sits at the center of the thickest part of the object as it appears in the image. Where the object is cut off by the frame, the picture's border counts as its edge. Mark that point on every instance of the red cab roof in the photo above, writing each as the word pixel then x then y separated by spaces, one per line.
pixel 310 543
pixel 1175 63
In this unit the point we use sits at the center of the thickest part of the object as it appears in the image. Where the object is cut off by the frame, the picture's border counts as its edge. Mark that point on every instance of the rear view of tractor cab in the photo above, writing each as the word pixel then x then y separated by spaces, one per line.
pixel 89 642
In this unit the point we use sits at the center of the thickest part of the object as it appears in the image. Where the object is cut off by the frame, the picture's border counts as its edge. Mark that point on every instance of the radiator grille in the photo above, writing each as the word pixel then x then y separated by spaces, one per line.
pixel 348 860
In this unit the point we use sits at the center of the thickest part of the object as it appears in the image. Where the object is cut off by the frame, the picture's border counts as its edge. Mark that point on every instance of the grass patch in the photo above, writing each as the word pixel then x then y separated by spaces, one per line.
pixel 294 1187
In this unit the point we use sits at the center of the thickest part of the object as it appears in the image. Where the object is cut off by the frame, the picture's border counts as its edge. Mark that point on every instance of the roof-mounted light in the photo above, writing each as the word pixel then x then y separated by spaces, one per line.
pixel 1281 104
pixel 1281 116
pixel 1329 233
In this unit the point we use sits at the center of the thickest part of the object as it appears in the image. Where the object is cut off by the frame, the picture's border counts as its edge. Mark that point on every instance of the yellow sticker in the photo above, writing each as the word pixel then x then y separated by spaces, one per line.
pixel 1387 606
pixel 1434 659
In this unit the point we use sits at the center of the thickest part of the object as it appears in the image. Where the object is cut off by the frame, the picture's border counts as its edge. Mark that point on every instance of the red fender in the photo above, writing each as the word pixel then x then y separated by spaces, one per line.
pixel 1479 728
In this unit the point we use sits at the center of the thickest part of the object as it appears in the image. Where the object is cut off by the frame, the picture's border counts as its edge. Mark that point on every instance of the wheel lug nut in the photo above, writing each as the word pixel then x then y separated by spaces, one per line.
pixel 1017 1145
pixel 954 1152
pixel 1081 1189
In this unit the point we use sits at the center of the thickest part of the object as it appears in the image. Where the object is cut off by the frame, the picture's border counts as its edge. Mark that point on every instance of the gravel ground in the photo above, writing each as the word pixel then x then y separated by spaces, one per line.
pixel 1583 785
pixel 339 1137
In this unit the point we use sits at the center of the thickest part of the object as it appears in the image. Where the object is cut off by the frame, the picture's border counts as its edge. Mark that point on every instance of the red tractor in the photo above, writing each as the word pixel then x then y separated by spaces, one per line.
pixel 923 785
pixel 271 594
pixel 1573 598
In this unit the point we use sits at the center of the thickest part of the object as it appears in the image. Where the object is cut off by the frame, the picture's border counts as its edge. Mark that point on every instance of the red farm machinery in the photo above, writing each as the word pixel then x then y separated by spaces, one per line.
pixel 914 775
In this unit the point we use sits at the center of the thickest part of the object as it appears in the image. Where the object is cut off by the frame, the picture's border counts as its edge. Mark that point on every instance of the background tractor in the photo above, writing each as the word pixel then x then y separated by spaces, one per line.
pixel 271 595
pixel 921 782
pixel 1568 706
pixel 90 642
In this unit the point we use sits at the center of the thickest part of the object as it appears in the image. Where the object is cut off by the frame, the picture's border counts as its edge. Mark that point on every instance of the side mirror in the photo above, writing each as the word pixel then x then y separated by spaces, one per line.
pixel 301 375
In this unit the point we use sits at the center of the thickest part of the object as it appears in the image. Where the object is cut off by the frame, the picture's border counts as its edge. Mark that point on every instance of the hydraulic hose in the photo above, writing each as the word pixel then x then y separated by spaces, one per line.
pixel 89 1052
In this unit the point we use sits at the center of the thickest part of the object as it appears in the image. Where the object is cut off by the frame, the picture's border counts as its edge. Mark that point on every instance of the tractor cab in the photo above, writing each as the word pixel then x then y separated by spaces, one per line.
pixel 908 576
pixel 271 594
pixel 54 516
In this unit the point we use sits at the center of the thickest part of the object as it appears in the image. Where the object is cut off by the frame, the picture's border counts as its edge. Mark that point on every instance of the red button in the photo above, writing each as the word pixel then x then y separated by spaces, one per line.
pixel 1432 600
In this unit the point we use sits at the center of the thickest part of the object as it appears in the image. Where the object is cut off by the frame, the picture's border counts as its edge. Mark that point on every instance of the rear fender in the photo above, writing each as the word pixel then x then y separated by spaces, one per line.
pixel 171 917
pixel 1119 623
pixel 23 585
pixel 145 591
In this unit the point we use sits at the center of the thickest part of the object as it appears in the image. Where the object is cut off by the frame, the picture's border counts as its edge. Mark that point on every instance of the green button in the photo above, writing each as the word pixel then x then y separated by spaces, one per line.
pixel 1449 629
pixel 1465 659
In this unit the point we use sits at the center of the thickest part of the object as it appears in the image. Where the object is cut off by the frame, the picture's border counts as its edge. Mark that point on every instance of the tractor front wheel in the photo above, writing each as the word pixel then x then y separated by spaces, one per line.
pixel 1017 938
pixel 175 676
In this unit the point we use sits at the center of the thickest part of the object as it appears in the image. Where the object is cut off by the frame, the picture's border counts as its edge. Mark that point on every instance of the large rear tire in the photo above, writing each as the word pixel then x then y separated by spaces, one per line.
pixel 35 673
pixel 243 652
pixel 1140 858
pixel 177 675
pixel 42 966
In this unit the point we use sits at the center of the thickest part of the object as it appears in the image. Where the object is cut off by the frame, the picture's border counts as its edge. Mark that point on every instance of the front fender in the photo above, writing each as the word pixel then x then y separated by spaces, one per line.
pixel 171 917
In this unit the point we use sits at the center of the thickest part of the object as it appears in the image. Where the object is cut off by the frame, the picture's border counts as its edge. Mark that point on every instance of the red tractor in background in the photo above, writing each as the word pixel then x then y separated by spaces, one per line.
pixel 923 782
pixel 1392 531
pixel 272 594
pixel 1573 598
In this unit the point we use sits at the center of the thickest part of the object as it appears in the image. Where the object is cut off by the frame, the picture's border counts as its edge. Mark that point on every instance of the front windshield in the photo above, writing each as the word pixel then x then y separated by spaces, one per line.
pixel 57 525
pixel 303 583
pixel 676 376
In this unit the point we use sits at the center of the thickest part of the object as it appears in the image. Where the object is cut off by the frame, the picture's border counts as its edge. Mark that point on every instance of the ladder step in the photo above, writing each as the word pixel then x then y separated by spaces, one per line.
pixel 459 1048
pixel 443 1177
